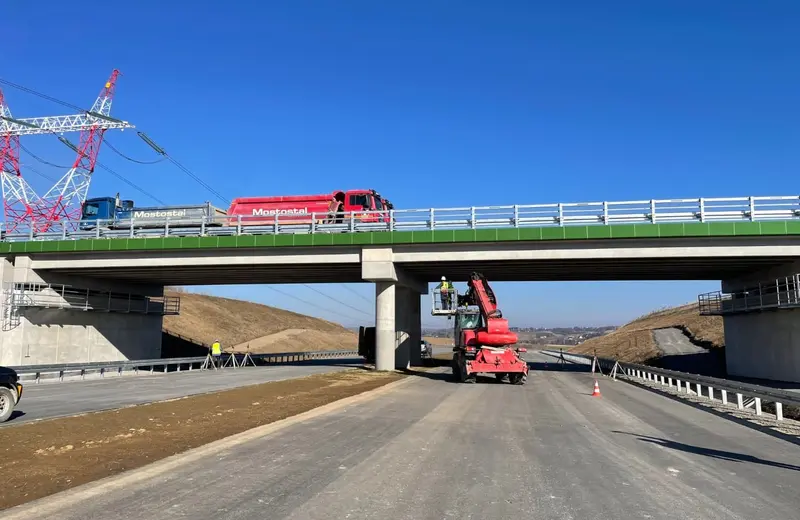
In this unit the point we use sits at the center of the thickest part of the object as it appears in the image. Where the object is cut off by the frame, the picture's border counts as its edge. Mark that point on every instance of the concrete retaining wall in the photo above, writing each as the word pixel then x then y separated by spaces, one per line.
pixel 57 336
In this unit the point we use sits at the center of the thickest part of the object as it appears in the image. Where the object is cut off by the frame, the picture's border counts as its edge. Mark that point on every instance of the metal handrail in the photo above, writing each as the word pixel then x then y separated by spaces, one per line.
pixel 733 209
pixel 774 395
pixel 780 293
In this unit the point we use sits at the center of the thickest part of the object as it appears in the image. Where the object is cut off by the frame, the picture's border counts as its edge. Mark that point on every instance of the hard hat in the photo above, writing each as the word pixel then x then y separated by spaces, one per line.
pixel 444 278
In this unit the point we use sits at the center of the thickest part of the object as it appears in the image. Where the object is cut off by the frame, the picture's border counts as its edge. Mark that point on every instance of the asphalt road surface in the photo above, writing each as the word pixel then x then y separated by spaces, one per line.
pixel 432 449
pixel 675 342
pixel 50 400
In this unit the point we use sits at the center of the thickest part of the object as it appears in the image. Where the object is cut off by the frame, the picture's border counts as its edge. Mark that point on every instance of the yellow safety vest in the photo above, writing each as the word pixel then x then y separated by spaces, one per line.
pixel 445 286
pixel 215 349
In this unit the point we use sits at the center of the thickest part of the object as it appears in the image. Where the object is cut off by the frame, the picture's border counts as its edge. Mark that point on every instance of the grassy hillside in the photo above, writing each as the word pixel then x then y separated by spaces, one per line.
pixel 634 342
pixel 237 323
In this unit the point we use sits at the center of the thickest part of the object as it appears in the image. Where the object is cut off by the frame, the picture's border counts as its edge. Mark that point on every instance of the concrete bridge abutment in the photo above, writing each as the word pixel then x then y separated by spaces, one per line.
pixel 765 343
pixel 51 333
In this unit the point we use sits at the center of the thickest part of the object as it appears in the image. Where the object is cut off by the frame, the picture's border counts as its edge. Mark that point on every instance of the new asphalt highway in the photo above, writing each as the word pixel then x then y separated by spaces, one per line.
pixel 428 448
pixel 49 400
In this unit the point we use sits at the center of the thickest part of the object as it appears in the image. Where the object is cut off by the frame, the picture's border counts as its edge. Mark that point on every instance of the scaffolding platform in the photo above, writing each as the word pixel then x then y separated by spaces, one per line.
pixel 19 296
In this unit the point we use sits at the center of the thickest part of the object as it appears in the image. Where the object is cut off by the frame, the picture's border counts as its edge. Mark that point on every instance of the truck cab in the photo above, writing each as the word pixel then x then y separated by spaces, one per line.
pixel 368 200
pixel 102 211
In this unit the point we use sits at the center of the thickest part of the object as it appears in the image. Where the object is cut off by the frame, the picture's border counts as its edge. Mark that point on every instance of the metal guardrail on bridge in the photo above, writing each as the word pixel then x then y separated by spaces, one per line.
pixel 190 363
pixel 733 209
pixel 783 293
pixel 683 380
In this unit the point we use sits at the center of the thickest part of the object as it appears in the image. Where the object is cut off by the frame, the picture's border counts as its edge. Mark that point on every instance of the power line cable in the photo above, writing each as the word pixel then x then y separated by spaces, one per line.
pixel 41 95
pixel 161 151
pixel 336 300
pixel 129 183
pixel 324 309
pixel 40 159
pixel 144 137
pixel 37 172
pixel 358 294
pixel 105 140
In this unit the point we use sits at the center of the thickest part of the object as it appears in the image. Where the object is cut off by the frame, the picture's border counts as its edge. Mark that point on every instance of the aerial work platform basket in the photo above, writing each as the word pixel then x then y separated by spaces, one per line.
pixel 444 303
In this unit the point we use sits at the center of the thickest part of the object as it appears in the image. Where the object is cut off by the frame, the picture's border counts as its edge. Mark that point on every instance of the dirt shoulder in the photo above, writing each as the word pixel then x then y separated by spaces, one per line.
pixel 43 458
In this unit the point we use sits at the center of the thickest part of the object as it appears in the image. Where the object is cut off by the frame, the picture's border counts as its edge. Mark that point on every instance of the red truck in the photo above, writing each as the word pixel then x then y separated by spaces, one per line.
pixel 299 209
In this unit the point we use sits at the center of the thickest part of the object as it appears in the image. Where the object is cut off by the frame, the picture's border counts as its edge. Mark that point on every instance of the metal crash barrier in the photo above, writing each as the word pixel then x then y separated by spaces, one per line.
pixel 163 365
pixel 747 395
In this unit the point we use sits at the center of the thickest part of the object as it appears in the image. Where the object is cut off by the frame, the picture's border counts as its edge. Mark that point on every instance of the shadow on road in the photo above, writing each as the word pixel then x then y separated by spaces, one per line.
pixel 15 415
pixel 710 452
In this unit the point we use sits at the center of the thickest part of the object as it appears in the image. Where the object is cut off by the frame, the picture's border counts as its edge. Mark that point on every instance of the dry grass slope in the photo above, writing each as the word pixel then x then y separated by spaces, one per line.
pixel 236 323
pixel 634 342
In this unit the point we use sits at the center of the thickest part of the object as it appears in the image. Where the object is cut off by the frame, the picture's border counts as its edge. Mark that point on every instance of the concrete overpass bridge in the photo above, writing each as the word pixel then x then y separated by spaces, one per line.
pixel 739 241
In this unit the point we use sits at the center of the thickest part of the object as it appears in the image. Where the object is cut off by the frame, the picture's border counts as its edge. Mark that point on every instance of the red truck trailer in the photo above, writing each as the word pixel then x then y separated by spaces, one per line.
pixel 300 209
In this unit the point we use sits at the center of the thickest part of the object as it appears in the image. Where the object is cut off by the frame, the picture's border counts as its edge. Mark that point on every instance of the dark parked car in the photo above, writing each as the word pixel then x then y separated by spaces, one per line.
pixel 10 392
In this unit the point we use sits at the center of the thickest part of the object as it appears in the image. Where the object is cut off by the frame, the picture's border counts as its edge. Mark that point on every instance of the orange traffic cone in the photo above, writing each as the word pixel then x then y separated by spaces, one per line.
pixel 596 391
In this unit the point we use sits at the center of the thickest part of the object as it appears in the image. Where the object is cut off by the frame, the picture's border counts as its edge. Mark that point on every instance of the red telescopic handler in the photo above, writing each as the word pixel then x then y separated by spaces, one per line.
pixel 483 344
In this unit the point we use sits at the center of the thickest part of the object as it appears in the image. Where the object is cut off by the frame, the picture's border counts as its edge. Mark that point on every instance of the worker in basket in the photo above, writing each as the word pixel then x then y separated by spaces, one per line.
pixel 446 291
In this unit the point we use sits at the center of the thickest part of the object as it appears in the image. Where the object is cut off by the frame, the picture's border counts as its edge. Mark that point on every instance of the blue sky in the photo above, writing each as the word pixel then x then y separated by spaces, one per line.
pixel 433 103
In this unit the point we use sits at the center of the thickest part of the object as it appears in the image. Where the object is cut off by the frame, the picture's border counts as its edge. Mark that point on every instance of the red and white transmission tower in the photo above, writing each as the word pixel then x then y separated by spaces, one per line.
pixel 19 199
pixel 64 200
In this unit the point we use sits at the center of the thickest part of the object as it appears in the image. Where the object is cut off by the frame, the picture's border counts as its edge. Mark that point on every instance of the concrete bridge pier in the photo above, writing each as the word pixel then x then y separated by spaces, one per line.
pixel 398 324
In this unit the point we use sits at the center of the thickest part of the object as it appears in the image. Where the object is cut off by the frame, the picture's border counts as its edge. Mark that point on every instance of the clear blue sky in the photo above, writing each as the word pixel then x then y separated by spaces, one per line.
pixel 433 103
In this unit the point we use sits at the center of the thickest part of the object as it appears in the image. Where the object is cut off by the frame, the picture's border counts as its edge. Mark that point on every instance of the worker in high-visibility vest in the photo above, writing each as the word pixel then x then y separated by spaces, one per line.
pixel 445 290
pixel 216 350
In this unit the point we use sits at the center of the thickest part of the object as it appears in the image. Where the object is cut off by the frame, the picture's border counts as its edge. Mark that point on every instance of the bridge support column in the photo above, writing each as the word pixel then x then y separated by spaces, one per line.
pixel 408 328
pixel 385 325
pixel 415 327
pixel 398 328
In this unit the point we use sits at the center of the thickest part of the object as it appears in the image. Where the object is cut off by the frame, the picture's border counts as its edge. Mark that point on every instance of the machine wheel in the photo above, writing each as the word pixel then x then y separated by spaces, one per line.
pixel 456 366
pixel 502 377
pixel 518 378
pixel 7 402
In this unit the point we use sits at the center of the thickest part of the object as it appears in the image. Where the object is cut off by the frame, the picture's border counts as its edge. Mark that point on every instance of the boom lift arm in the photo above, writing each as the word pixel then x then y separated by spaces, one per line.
pixel 494 332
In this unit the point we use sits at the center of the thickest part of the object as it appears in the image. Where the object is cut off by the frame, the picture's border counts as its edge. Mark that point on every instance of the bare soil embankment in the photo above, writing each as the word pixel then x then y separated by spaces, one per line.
pixel 237 323
pixel 635 342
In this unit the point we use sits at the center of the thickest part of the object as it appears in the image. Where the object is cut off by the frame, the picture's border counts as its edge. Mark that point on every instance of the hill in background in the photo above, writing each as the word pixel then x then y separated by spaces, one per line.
pixel 635 343
pixel 237 323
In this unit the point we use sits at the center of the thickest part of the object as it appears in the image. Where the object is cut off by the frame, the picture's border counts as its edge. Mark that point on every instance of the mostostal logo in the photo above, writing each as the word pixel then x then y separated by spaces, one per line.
pixel 160 213
pixel 259 212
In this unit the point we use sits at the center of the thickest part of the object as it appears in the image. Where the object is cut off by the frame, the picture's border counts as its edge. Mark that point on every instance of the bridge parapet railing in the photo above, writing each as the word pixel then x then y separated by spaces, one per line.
pixel 782 293
pixel 747 395
pixel 732 209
